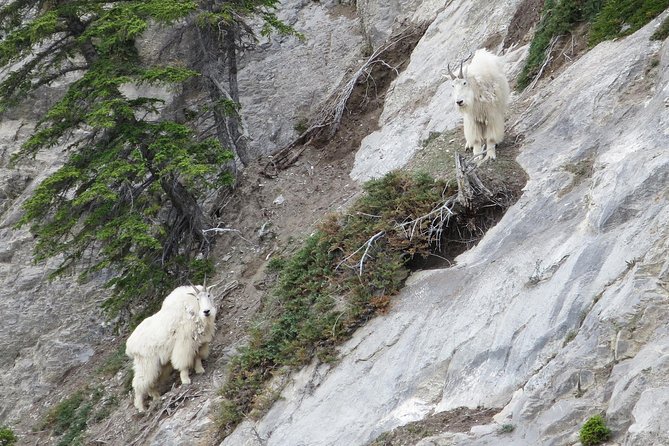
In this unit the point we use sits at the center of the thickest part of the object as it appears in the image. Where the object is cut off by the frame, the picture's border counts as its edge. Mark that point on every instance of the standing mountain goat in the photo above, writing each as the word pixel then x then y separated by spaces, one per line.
pixel 179 334
pixel 482 96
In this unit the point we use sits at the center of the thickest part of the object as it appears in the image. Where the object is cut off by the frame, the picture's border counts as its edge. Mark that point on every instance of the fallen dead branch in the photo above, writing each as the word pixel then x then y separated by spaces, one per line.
pixel 217 231
pixel 549 57
pixel 472 193
pixel 366 246
pixel 326 122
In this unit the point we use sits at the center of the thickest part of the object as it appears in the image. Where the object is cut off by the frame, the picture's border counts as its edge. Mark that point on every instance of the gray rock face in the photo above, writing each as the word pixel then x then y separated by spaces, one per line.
pixel 48 328
pixel 420 102
pixel 380 18
pixel 560 312
pixel 284 80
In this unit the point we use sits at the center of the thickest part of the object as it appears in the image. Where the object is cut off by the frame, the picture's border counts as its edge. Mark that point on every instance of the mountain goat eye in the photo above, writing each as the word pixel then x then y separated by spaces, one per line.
pixel 464 83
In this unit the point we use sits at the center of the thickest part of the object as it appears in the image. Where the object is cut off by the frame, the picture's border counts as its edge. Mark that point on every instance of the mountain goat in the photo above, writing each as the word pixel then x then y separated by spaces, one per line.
pixel 482 96
pixel 177 336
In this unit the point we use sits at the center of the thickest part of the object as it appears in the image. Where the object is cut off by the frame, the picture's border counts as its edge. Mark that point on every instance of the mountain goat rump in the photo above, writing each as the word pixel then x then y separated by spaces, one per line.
pixel 177 336
pixel 482 96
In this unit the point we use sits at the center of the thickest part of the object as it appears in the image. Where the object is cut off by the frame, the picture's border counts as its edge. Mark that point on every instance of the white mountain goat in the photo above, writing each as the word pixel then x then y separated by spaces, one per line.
pixel 177 336
pixel 482 96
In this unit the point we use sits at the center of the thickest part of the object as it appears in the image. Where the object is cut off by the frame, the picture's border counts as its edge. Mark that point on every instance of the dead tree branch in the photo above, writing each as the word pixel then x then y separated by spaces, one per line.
pixel 217 231
pixel 549 57
pixel 472 193
pixel 327 120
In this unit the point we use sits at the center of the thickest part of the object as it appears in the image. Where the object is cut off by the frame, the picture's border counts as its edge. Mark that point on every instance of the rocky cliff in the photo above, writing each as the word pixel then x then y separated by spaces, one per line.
pixel 559 313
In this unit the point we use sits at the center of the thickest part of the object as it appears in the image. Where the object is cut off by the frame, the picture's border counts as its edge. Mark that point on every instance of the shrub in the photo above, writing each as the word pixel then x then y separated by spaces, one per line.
pixel 623 17
pixel 594 431
pixel 7 437
pixel 507 428
pixel 559 17
pixel 69 418
pixel 323 294
pixel 608 18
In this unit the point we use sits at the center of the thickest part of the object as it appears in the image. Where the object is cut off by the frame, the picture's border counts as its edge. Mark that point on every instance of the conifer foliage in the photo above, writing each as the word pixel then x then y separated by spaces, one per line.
pixel 129 195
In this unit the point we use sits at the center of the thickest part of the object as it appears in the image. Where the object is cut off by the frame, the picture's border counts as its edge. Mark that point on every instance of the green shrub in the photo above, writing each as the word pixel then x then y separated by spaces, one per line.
pixel 276 264
pixel 507 428
pixel 69 418
pixel 322 294
pixel 608 19
pixel 7 437
pixel 623 17
pixel 594 431
pixel 559 17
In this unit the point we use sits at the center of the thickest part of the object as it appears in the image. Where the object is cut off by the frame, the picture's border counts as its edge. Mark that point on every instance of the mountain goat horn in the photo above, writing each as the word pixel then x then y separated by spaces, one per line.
pixel 450 73
pixel 460 75
pixel 215 285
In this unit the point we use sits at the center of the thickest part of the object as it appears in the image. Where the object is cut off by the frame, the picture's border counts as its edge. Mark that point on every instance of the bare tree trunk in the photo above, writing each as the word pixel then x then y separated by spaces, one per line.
pixel 218 55
pixel 234 121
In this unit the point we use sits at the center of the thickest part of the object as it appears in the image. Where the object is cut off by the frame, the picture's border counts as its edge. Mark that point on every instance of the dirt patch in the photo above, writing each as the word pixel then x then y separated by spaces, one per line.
pixel 523 22
pixel 581 171
pixel 457 420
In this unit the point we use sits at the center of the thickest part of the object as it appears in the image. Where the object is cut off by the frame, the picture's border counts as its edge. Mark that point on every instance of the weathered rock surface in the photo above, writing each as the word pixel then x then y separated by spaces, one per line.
pixel 560 312
pixel 380 19
pixel 284 80
pixel 48 328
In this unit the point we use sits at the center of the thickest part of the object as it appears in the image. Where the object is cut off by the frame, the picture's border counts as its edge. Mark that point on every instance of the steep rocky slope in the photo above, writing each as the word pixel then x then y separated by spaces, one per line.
pixel 53 335
pixel 558 314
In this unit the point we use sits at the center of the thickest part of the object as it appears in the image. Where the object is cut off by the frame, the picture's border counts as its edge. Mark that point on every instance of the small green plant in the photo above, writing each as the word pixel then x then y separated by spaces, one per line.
pixel 301 125
pixel 594 431
pixel 507 428
pixel 571 335
pixel 7 437
pixel 323 293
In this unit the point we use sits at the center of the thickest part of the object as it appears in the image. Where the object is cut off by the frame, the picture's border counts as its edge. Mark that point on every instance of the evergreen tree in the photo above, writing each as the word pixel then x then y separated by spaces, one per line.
pixel 129 195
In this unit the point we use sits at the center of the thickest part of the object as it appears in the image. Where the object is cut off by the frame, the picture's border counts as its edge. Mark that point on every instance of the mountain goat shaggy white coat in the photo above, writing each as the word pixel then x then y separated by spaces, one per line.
pixel 482 96
pixel 177 336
